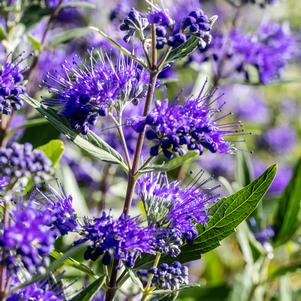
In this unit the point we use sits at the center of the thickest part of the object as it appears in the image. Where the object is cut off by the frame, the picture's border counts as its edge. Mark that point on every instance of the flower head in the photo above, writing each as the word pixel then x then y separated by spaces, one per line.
pixel 169 31
pixel 123 237
pixel 173 210
pixel 20 161
pixel 193 124
pixel 36 292
pixel 28 238
pixel 83 91
pixel 59 207
pixel 11 85
pixel 166 277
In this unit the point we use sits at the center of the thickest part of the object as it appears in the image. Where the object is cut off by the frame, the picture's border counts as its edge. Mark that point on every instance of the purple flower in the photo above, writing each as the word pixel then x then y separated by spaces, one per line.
pixel 269 51
pixel 20 161
pixel 280 139
pixel 36 292
pixel 28 238
pixel 59 207
pixel 166 277
pixel 193 124
pixel 123 237
pixel 83 91
pixel 132 23
pixel 168 31
pixel 173 210
pixel 3 182
pixel 263 235
pixel 11 85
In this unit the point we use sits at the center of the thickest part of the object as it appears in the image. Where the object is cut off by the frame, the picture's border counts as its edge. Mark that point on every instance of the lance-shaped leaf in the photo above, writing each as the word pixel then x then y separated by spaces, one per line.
pixel 226 215
pixel 184 50
pixel 229 212
pixel 87 293
pixel 53 150
pixel 91 143
pixel 288 215
pixel 188 47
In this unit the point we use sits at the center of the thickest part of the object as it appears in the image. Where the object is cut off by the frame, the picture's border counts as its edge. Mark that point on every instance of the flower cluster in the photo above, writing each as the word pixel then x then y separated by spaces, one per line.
pixel 59 207
pixel 173 126
pixel 268 51
pixel 280 140
pixel 28 238
pixel 20 161
pixel 11 86
pixel 168 31
pixel 173 210
pixel 166 277
pixel 123 237
pixel 86 90
pixel 37 293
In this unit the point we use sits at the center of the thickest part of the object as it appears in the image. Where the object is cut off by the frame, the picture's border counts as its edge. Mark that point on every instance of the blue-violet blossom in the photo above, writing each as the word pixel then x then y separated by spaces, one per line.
pixel 123 238
pixel 85 90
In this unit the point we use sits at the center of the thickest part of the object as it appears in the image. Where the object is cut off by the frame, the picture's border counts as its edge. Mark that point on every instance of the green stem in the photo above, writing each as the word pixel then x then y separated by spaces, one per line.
pixel 132 173
pixel 148 289
pixel 122 138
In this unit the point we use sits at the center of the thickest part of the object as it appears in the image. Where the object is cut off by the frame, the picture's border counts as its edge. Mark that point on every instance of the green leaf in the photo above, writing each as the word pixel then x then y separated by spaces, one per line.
pixel 68 35
pixel 36 45
pixel 91 143
pixel 53 150
pixel 290 268
pixel 188 47
pixel 226 215
pixel 73 263
pixel 33 14
pixel 119 47
pixel 229 212
pixel 58 263
pixel 288 215
pixel 3 34
pixel 87 293
pixel 174 163
pixel 208 293
pixel 184 50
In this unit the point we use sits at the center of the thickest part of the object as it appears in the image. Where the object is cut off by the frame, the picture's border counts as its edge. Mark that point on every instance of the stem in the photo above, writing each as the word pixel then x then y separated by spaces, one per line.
pixel 122 138
pixel 136 160
pixel 3 266
pixel 147 288
pixel 135 166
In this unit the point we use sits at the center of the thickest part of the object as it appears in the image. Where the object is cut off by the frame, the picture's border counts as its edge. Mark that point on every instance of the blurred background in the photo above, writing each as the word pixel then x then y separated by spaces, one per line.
pixel 254 61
